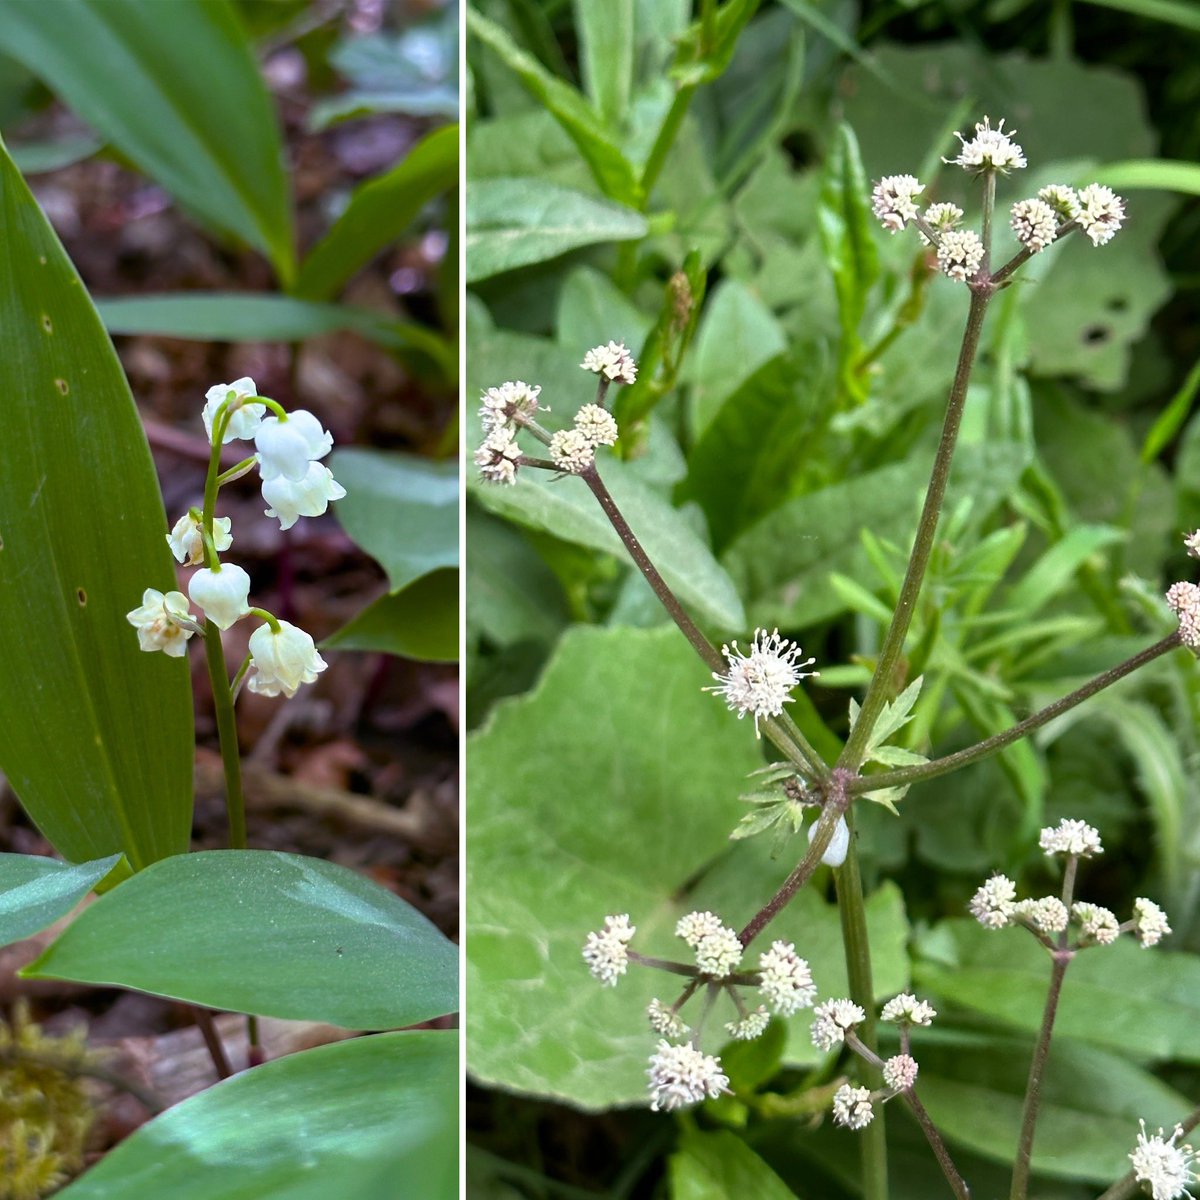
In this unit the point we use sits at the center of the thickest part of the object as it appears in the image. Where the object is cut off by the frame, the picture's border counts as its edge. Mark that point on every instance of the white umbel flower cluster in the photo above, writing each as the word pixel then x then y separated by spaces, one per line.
pixel 994 904
pixel 960 254
pixel 1070 838
pixel 787 983
pixel 852 1107
pixel 835 1018
pixel 596 424
pixel 900 1072
pixel 1097 925
pixel 682 1075
pixel 1149 922
pixel 1168 1168
pixel 694 927
pixel 1035 223
pixel 1101 212
pixel 719 952
pixel 499 457
pixel 571 451
pixel 1062 199
pixel 613 362
pixel 752 1025
pixel 665 1021
pixel 1046 915
pixel 1184 601
pixel 894 200
pixel 1192 542
pixel 906 1009
pixel 607 952
pixel 989 150
pixel 508 405
pixel 760 682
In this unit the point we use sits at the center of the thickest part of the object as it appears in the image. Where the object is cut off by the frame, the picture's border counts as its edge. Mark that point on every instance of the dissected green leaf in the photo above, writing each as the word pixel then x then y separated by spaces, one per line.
pixel 257 931
pixel 36 891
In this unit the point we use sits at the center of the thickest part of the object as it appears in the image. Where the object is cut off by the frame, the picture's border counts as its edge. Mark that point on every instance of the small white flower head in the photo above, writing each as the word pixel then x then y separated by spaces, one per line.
pixel 907 1009
pixel 1184 602
pixel 682 1075
pixel 187 542
pixel 1070 837
pixel 1047 915
pixel 288 447
pixel 943 218
pixel 694 927
pixel 751 1026
pixel 852 1107
pixel 291 499
pixel 281 662
pixel 834 1019
pixel 571 451
pixel 157 622
pixel 839 844
pixel 894 200
pixel 223 594
pixel 597 425
pixel 1192 542
pixel 718 953
pixel 787 983
pixel 245 418
pixel 510 402
pixel 989 150
pixel 1101 212
pixel 1168 1169
pixel 960 254
pixel 900 1072
pixel 663 1020
pixel 993 905
pixel 1062 199
pixel 1035 223
pixel 498 457
pixel 759 682
pixel 1096 924
pixel 613 362
pixel 607 952
pixel 1149 922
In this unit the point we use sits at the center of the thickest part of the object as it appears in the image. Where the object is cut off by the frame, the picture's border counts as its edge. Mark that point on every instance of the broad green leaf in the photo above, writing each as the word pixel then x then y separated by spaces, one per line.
pixel 619 713
pixel 593 310
pixel 262 932
pixel 717 1165
pixel 584 125
pixel 243 316
pixel 378 212
pixel 419 621
pixel 1137 1002
pixel 176 89
pixel 95 736
pixel 400 508
pixel 373 1117
pixel 1157 174
pixel 36 891
pixel 517 222
pixel 606 52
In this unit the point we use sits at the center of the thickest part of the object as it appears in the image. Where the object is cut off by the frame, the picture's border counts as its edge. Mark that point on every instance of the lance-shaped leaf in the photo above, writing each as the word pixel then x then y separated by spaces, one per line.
pixel 35 891
pixel 95 736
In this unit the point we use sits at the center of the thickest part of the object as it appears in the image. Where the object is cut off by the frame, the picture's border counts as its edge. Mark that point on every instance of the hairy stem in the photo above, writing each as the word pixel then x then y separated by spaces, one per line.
pixel 1127 1186
pixel 953 1178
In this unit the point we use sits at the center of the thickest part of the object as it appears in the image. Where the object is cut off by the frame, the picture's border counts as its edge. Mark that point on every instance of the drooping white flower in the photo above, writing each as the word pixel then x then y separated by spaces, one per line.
pixel 993 905
pixel 852 1107
pixel 834 1019
pixel 1168 1169
pixel 286 447
pixel 245 418
pixel 187 542
pixel 907 1009
pixel 900 1072
pixel 1149 922
pixel 1062 199
pixel 1047 914
pixel 613 362
pixel 960 254
pixel 597 425
pixel 571 451
pixel 281 662
pixel 942 218
pixel 718 953
pixel 1184 601
pixel 693 927
pixel 839 844
pixel 607 952
pixel 507 404
pixel 1101 212
pixel 682 1075
pixel 894 200
pixel 663 1020
pixel 759 682
pixel 787 982
pixel 1035 223
pixel 157 622
pixel 989 150
pixel 222 594
pixel 291 499
pixel 498 457
pixel 1097 924
pixel 1192 542
pixel 751 1026
pixel 1070 837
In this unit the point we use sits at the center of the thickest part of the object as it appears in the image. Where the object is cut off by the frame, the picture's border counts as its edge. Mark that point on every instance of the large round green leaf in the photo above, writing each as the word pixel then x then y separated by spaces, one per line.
pixel 256 931
pixel 373 1118
pixel 95 736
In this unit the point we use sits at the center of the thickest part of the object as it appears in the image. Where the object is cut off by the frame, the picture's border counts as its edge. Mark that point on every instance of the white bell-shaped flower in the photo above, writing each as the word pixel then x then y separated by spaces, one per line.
pixel 286 447
pixel 158 619
pixel 291 499
pixel 282 660
pixel 244 421
pixel 223 594
pixel 187 542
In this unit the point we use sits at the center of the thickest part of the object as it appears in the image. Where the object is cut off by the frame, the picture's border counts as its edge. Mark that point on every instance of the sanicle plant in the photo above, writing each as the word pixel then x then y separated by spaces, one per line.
pixel 731 986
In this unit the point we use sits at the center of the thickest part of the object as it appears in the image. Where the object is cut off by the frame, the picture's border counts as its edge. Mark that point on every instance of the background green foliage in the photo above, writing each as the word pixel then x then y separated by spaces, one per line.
pixel 703 194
